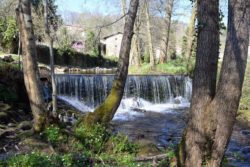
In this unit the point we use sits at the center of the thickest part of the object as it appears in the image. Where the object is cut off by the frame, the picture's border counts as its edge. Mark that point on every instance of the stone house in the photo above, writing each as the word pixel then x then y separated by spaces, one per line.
pixel 111 45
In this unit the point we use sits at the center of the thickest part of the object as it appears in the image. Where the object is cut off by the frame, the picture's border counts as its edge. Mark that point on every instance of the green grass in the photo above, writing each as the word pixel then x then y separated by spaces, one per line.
pixel 174 67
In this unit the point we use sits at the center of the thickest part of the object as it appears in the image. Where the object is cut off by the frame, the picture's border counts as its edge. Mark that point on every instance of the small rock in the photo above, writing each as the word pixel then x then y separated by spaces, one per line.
pixel 8 59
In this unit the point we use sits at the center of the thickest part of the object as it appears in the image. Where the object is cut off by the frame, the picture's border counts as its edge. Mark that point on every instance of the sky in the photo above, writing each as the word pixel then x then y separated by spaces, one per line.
pixel 101 6
pixel 110 7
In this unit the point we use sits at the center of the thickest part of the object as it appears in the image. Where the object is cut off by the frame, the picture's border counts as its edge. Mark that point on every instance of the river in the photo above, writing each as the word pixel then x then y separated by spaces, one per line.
pixel 154 108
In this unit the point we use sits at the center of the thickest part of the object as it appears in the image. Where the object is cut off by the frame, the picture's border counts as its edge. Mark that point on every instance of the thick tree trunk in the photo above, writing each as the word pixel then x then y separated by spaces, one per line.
pixel 213 113
pixel 106 111
pixel 226 101
pixel 50 39
pixel 165 39
pixel 30 69
pixel 149 35
pixel 195 146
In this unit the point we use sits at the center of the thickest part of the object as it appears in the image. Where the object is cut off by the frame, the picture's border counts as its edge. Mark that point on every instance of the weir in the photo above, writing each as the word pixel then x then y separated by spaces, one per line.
pixel 93 89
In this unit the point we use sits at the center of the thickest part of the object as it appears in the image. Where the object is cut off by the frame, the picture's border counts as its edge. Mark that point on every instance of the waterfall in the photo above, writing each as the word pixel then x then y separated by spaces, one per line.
pixel 91 90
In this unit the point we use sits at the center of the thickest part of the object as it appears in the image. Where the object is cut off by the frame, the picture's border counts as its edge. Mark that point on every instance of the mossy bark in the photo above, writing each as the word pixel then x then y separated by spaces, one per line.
pixel 106 111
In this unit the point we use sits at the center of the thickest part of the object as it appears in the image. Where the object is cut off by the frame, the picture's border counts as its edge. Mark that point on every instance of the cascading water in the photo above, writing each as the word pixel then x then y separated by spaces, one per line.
pixel 146 92
pixel 162 97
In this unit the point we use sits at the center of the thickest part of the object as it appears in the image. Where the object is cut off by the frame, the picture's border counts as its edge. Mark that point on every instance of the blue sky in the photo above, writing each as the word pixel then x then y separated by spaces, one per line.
pixel 100 6
pixel 107 7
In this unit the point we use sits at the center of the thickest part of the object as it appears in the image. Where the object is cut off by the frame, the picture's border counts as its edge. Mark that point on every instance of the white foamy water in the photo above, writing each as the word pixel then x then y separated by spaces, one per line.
pixel 131 108
pixel 76 103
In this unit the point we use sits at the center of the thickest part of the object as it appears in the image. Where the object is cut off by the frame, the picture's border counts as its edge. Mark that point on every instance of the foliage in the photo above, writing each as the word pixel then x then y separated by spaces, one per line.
pixel 177 66
pixel 115 150
pixel 121 144
pixel 36 159
pixel 54 21
pixel 91 44
pixel 64 40
pixel 92 138
pixel 8 33
pixel 54 135
pixel 66 50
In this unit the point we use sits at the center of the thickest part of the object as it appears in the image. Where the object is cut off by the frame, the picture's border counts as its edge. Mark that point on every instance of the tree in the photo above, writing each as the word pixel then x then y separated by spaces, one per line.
pixel 8 34
pixel 192 37
pixel 30 69
pixel 50 41
pixel 54 20
pixel 91 44
pixel 165 38
pixel 214 110
pixel 106 111
pixel 135 58
pixel 149 35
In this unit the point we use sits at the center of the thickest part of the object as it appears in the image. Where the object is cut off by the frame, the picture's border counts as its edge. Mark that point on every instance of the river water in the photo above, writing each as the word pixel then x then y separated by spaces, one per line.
pixel 153 108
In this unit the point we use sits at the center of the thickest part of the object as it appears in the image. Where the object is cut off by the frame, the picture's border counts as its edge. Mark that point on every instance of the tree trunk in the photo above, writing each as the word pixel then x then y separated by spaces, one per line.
pixel 106 111
pixel 213 113
pixel 30 69
pixel 19 50
pixel 229 90
pixel 191 36
pixel 165 39
pixel 149 35
pixel 50 39
pixel 124 8
pixel 194 146
pixel 135 58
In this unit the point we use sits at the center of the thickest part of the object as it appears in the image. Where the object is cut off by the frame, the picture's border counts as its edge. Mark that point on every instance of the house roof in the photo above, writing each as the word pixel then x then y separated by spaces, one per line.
pixel 112 35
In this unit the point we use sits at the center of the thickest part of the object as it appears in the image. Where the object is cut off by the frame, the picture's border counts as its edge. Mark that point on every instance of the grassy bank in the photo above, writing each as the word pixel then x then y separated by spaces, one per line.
pixel 174 67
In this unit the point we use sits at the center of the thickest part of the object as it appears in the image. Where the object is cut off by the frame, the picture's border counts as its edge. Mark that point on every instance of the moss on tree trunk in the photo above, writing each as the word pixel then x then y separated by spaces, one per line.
pixel 106 111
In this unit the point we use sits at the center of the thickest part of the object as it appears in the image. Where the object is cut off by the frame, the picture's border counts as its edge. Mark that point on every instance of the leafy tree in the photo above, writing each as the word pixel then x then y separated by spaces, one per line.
pixel 91 43
pixel 8 34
